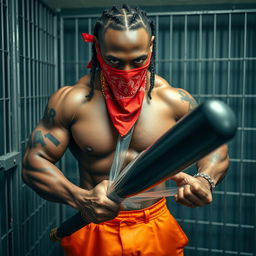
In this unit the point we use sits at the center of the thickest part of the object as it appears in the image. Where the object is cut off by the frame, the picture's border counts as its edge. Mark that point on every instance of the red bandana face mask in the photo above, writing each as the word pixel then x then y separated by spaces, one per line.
pixel 124 93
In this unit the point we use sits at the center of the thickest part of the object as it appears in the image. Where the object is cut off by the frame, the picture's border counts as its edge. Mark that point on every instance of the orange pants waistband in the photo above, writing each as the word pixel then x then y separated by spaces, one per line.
pixel 142 215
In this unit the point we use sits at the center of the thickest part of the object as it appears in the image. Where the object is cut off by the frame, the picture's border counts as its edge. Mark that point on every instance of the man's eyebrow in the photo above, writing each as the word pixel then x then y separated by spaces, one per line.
pixel 112 57
pixel 144 56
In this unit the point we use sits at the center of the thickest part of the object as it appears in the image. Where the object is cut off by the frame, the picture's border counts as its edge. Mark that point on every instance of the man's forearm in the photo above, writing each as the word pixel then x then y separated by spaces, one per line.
pixel 215 164
pixel 49 182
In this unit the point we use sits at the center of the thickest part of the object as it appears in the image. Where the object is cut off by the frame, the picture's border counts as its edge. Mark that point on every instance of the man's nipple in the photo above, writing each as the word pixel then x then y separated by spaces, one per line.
pixel 89 149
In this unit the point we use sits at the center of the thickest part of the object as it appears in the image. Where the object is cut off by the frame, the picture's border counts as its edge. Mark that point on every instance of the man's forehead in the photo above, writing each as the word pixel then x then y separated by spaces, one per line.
pixel 113 37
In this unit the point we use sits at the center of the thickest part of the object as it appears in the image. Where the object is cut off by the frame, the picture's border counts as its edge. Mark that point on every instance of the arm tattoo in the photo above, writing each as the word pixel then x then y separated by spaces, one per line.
pixel 39 169
pixel 186 97
pixel 38 138
pixel 215 158
pixel 49 115
pixel 52 139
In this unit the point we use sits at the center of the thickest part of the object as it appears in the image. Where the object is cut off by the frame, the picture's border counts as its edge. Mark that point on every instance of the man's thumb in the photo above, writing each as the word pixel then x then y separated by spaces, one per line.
pixel 180 178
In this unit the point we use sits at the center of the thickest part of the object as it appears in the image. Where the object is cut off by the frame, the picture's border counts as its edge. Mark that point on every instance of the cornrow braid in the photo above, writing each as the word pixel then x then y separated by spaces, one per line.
pixel 152 62
pixel 117 19
pixel 124 18
pixel 132 19
pixel 95 65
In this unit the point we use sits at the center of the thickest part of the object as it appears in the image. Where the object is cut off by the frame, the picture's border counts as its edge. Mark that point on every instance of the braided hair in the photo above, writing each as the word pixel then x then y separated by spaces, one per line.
pixel 124 18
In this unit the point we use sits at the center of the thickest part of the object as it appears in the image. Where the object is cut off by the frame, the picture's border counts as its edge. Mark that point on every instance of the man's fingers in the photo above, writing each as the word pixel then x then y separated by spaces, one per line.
pixel 180 178
pixel 191 197
pixel 201 192
pixel 181 199
pixel 110 205
pixel 98 215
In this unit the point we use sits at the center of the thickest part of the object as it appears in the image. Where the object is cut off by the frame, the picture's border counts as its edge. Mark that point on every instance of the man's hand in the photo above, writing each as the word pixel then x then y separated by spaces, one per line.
pixel 192 192
pixel 96 207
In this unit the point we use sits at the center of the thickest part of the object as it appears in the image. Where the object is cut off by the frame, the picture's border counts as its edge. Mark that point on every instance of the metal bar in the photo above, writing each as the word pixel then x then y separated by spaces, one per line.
pixel 204 12
pixel 2 82
pixel 24 244
pixel 223 252
pixel 2 50
pixel 67 16
pixel 55 52
pixel 242 126
pixel 76 48
pixel 3 22
pixel 50 53
pixel 29 82
pixel 48 58
pixel 229 50
pixel 203 222
pixel 62 50
pixel 40 32
pixel 171 45
pixel 44 59
pixel 37 58
pixel 9 124
pixel 24 68
pixel 200 56
pixel 33 62
pixel 37 64
pixel 185 51
pixel 244 160
pixel 214 53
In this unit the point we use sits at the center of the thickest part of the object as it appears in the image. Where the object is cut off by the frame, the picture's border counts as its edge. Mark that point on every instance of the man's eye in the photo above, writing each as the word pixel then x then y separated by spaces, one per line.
pixel 114 62
pixel 139 61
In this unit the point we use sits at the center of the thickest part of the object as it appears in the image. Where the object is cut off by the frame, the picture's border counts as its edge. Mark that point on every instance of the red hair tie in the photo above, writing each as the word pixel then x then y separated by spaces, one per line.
pixel 88 38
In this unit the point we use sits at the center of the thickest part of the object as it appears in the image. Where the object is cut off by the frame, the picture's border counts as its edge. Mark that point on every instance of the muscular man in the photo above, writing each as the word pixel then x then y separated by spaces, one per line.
pixel 122 90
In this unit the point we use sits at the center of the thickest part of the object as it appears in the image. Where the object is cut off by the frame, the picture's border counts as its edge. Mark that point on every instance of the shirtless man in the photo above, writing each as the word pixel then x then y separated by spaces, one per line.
pixel 81 117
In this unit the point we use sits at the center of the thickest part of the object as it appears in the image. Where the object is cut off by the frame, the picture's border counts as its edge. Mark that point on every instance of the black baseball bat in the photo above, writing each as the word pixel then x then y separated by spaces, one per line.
pixel 207 127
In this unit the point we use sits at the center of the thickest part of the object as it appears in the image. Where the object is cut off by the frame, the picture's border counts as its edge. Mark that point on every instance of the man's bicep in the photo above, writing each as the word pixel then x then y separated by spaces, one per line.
pixel 49 143
pixel 51 137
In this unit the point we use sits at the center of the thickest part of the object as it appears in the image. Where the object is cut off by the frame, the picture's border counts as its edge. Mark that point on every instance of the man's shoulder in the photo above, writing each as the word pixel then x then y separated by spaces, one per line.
pixel 165 91
pixel 66 100
pixel 179 99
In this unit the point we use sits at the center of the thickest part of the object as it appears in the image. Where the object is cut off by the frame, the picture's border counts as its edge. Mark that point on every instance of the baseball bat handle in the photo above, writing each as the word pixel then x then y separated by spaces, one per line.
pixel 69 226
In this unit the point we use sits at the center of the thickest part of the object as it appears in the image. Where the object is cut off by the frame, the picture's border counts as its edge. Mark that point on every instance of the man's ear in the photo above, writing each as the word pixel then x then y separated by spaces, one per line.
pixel 152 43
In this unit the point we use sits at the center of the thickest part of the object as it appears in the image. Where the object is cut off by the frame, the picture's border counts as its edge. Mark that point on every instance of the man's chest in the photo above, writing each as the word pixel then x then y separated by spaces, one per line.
pixel 95 135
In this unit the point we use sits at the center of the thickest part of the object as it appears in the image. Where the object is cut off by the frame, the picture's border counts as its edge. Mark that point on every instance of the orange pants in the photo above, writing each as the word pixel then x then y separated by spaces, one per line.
pixel 151 231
